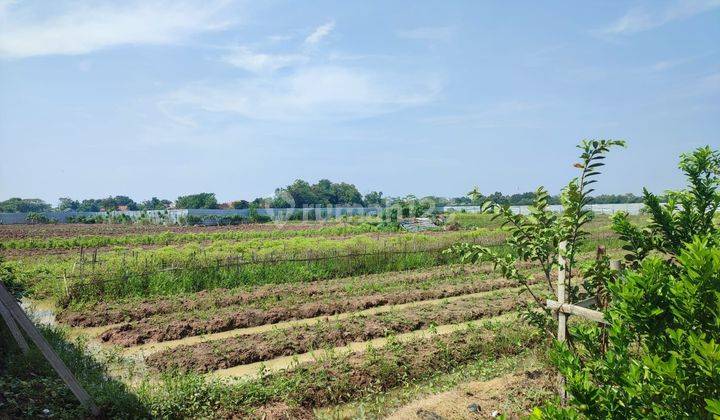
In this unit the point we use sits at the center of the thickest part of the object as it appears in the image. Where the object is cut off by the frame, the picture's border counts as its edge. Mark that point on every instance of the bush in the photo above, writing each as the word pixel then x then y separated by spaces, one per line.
pixel 663 354
pixel 38 218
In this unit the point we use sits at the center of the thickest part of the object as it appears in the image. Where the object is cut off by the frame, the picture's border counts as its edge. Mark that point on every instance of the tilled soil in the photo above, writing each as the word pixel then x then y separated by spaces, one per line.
pixel 106 313
pixel 69 230
pixel 180 325
pixel 221 354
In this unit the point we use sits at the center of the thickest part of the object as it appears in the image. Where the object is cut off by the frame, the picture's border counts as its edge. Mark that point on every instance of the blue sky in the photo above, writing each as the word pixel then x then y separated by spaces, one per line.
pixel 166 98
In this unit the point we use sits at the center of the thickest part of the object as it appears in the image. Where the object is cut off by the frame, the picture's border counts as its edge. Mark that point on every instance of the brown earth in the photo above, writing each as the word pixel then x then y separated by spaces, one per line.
pixel 69 230
pixel 513 395
pixel 222 354
pixel 180 325
pixel 106 313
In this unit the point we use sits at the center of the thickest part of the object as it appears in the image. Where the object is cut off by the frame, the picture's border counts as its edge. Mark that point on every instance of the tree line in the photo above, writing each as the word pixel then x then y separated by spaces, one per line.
pixel 299 194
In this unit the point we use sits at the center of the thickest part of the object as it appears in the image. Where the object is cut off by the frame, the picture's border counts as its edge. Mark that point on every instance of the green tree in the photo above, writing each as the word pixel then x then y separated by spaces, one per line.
pixel 686 214
pixel 536 237
pixel 663 348
pixel 197 201
pixel 156 204
pixel 240 204
pixel 24 205
pixel 375 198
pixel 66 204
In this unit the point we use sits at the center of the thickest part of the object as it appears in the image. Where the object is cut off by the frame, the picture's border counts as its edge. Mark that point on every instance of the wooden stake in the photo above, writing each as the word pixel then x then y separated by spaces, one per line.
pixel 57 364
pixel 562 317
pixel 14 330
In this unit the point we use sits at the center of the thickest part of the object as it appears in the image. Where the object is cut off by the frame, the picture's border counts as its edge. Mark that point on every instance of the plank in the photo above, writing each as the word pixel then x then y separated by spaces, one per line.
pixel 14 330
pixel 571 309
pixel 57 364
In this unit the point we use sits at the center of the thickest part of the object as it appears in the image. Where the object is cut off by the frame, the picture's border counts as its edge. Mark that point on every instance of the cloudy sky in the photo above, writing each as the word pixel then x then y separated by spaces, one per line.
pixel 164 98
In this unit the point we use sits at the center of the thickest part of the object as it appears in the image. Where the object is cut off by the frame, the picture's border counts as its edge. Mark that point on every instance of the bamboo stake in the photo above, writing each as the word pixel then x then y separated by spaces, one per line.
pixel 562 317
pixel 14 330
pixel 57 364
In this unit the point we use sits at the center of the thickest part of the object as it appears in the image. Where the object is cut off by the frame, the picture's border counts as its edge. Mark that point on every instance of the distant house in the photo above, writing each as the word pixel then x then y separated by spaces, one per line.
pixel 225 206
pixel 122 208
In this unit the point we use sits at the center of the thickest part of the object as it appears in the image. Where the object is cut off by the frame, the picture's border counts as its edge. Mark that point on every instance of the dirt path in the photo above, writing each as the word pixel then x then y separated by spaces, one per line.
pixel 512 395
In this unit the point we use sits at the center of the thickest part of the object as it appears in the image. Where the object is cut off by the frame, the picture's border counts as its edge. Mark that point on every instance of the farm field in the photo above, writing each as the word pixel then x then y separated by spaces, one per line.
pixel 304 321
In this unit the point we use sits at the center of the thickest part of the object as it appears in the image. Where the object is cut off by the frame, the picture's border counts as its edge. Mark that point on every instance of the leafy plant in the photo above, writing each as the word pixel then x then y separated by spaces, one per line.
pixel 535 237
pixel 686 213
pixel 663 356
pixel 659 357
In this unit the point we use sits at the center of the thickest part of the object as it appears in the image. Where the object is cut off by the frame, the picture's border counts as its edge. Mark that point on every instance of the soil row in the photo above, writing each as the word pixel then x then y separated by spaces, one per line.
pixel 180 325
pixel 69 230
pixel 106 313
pixel 245 349
pixel 339 378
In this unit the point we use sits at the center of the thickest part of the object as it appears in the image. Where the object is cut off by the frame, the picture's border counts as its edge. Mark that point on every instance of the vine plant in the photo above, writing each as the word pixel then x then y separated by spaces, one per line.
pixel 534 238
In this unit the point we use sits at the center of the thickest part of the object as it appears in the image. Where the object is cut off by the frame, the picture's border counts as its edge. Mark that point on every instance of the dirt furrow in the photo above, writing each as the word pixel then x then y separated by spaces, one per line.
pixel 246 349
pixel 106 313
pixel 189 324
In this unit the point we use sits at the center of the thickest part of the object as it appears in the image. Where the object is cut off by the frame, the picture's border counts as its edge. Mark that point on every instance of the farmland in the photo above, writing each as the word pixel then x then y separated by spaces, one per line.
pixel 302 320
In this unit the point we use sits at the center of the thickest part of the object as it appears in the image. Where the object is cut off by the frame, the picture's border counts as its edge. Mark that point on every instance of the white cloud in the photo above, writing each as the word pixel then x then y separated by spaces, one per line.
pixel 28 29
pixel 246 59
pixel 430 33
pixel 319 33
pixel 639 20
pixel 310 94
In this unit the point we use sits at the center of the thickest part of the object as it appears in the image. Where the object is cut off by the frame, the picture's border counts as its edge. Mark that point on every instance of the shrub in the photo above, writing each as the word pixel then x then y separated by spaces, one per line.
pixel 663 352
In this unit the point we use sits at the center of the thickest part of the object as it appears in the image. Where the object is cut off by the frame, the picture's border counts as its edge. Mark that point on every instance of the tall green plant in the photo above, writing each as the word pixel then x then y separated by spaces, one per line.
pixel 685 214
pixel 535 237
pixel 663 350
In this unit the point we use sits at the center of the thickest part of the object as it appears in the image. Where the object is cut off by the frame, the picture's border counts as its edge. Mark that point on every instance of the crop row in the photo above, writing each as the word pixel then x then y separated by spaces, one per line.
pixel 337 378
pixel 191 267
pixel 169 237
pixel 328 333
pixel 192 323
pixel 111 312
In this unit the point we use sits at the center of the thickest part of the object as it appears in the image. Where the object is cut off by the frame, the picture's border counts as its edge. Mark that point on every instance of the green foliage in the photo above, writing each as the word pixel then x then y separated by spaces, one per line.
pixel 29 388
pixel 663 354
pixel 301 194
pixel 7 277
pixel 156 204
pixel 23 205
pixel 686 213
pixel 536 237
pixel 197 201
pixel 38 218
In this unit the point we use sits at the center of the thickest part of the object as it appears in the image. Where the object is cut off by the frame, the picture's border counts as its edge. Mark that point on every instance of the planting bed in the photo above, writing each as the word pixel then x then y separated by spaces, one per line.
pixel 105 313
pixel 336 378
pixel 246 349
pixel 178 325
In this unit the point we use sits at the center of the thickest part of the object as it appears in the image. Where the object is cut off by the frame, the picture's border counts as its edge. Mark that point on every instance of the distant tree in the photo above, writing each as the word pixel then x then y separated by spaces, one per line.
pixel 240 204
pixel 66 204
pixel 375 198
pixel 24 205
pixel 155 204
pixel 346 194
pixel 90 204
pixel 197 201
pixel 114 203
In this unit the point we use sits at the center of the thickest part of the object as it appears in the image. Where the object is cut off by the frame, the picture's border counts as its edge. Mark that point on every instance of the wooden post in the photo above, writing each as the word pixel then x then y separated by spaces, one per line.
pixel 57 364
pixel 562 317
pixel 14 330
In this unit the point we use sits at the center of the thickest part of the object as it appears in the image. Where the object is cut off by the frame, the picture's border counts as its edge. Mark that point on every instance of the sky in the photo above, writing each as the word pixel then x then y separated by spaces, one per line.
pixel 166 98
